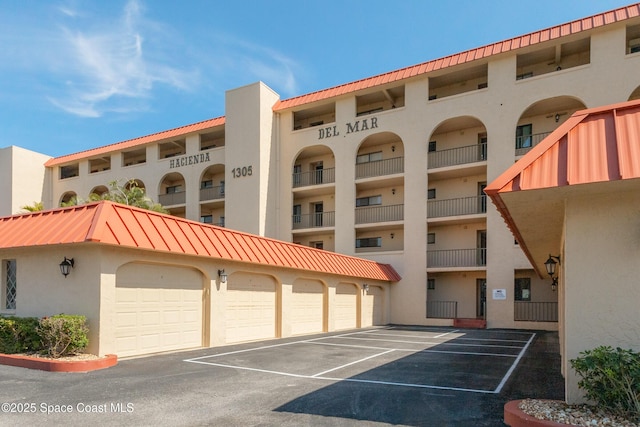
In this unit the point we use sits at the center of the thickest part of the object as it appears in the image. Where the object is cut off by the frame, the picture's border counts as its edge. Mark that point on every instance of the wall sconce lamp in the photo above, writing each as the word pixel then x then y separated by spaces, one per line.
pixel 393 235
pixel 550 265
pixel 66 266
pixel 223 276
pixel 393 191
pixel 557 117
pixel 393 148
pixel 365 287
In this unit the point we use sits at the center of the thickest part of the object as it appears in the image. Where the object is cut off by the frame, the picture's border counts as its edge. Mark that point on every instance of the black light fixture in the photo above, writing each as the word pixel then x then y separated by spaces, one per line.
pixel 365 287
pixel 223 276
pixel 550 265
pixel 65 266
pixel 557 117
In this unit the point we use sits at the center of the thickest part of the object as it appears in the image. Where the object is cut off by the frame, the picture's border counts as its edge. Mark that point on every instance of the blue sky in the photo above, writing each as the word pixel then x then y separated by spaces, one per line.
pixel 79 74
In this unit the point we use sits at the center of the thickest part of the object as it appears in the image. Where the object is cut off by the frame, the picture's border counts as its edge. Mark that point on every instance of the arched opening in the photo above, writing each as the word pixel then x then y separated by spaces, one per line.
pixel 635 94
pixel 542 118
pixel 172 193
pixel 68 198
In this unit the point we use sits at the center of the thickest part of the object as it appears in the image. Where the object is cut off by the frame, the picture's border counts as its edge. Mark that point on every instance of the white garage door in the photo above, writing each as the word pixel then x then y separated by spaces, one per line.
pixel 157 308
pixel 346 307
pixel 250 308
pixel 307 306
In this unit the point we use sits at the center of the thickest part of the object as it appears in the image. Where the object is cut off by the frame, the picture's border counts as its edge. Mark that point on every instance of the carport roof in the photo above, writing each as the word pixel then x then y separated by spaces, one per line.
pixel 584 155
pixel 115 224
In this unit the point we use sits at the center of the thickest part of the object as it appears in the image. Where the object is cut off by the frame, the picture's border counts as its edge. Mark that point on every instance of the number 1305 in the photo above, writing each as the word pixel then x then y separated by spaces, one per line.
pixel 243 171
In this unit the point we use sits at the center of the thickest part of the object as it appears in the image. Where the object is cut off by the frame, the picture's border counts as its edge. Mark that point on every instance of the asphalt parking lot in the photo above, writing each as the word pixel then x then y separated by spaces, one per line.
pixel 415 376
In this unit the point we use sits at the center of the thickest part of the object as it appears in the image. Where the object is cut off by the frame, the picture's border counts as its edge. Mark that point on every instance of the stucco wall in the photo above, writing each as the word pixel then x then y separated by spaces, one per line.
pixel 601 270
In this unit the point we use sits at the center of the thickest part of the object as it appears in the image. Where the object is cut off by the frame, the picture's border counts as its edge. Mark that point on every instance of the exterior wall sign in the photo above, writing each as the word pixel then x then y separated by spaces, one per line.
pixel 499 294
pixel 189 160
pixel 357 126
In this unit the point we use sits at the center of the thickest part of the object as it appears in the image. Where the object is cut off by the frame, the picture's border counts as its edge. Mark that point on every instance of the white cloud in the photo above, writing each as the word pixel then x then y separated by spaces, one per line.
pixel 109 68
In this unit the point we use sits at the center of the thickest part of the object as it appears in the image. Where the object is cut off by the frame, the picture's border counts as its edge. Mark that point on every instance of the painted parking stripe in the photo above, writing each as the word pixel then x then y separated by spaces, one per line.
pixel 353 363
pixel 513 366
pixel 430 343
pixel 435 337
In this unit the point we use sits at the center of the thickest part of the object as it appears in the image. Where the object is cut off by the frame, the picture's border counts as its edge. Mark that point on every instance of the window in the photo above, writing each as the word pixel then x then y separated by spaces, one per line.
pixel 368 201
pixel 69 171
pixel 431 284
pixel 523 136
pixel 431 238
pixel 431 193
pixel 10 285
pixel 174 189
pixel 206 184
pixel 297 214
pixel 522 289
pixel 432 146
pixel 369 157
pixel 317 245
pixel 369 242
pixel 207 219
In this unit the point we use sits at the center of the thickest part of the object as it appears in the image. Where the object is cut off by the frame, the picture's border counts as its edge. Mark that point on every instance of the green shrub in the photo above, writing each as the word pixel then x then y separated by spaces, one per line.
pixel 611 379
pixel 19 335
pixel 63 335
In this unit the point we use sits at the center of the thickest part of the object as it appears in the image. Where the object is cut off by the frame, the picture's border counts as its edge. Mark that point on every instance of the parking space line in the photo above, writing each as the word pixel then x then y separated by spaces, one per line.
pixel 413 350
pixel 456 338
pixel 352 363
pixel 513 366
pixel 431 343
pixel 446 333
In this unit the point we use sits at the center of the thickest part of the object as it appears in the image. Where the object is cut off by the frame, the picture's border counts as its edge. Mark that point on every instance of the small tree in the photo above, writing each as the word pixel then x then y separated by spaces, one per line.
pixel 35 207
pixel 128 194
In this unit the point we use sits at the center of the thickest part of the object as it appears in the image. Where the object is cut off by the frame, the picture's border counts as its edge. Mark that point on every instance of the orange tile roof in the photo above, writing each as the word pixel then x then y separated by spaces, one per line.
pixel 171 133
pixel 114 224
pixel 541 36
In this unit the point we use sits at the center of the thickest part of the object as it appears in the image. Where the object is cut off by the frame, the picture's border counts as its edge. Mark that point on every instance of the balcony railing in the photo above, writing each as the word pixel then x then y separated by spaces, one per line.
pixel 455 207
pixel 527 142
pixel 535 311
pixel 457 258
pixel 212 193
pixel 380 167
pixel 170 199
pixel 458 156
pixel 371 214
pixel 316 177
pixel 442 309
pixel 314 220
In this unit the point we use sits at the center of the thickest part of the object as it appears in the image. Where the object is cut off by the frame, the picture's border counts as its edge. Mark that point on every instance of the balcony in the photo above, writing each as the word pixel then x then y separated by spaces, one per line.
pixel 372 214
pixel 458 156
pixel 457 207
pixel 476 257
pixel 212 193
pixel 170 199
pixel 380 168
pixel 316 177
pixel 535 311
pixel 442 309
pixel 525 143
pixel 314 220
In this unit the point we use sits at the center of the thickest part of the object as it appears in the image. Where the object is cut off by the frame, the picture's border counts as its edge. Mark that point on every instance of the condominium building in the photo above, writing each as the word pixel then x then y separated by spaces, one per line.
pixel 390 168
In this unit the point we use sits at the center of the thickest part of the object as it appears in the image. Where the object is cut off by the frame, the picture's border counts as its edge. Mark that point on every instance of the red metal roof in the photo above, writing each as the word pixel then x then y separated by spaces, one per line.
pixel 171 133
pixel 114 224
pixel 541 36
pixel 594 145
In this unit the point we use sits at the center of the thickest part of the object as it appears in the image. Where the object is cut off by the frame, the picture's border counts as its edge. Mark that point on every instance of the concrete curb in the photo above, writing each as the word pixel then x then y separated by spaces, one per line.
pixel 52 365
pixel 514 417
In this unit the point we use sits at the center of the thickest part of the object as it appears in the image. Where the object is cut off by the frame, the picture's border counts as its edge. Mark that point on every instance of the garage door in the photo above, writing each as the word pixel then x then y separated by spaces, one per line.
pixel 307 306
pixel 157 308
pixel 346 308
pixel 250 308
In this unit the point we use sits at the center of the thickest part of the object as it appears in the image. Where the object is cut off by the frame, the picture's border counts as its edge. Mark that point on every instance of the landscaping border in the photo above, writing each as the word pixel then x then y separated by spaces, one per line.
pixel 515 417
pixel 53 365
